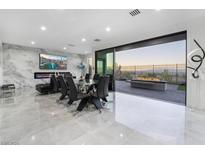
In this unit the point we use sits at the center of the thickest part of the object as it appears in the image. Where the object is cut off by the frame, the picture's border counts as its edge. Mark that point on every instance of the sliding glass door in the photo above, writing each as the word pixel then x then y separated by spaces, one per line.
pixel 140 68
pixel 155 71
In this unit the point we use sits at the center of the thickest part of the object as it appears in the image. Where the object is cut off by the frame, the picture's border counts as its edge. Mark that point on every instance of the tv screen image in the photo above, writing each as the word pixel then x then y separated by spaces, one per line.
pixel 53 62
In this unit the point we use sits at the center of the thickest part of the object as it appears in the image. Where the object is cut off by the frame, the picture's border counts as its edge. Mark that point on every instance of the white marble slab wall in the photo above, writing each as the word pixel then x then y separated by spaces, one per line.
pixel 1 64
pixel 196 87
pixel 20 63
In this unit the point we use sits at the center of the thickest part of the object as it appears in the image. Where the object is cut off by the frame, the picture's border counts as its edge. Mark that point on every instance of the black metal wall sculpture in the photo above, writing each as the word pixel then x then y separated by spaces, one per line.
pixel 197 59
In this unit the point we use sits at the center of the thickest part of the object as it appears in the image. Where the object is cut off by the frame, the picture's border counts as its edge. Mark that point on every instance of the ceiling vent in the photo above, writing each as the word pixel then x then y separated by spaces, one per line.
pixel 97 40
pixel 134 12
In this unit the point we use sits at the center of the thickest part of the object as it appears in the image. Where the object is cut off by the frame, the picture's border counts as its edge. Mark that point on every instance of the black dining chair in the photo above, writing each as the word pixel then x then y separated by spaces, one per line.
pixel 54 84
pixel 101 92
pixel 96 77
pixel 94 97
pixel 111 81
pixel 87 77
pixel 94 85
pixel 102 88
pixel 67 74
pixel 106 88
pixel 64 88
pixel 74 95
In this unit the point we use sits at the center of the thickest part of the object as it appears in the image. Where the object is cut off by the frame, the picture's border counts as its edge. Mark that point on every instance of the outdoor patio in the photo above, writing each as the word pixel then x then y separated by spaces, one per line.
pixel 172 94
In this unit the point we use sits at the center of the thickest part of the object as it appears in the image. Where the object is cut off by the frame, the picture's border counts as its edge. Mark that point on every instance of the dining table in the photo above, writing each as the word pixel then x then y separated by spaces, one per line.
pixel 84 86
pixel 88 87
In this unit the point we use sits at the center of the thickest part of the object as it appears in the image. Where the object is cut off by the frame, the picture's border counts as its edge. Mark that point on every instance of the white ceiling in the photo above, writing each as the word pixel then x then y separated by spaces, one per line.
pixel 70 26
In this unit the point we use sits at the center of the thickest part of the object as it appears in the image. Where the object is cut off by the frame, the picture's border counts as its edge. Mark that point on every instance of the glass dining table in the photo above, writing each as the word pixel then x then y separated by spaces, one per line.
pixel 84 86
pixel 88 88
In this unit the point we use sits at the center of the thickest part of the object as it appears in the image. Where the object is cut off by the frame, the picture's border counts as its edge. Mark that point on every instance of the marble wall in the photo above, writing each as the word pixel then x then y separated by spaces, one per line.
pixel 1 64
pixel 196 87
pixel 20 63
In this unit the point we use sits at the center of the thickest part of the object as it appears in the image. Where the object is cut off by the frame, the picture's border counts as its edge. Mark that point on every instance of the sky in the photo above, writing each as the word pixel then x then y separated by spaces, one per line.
pixel 167 53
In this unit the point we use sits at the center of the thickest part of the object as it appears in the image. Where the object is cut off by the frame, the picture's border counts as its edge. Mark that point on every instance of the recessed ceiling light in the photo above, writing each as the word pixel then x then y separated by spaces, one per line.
pixel 43 28
pixel 107 29
pixel 157 9
pixel 32 42
pixel 64 48
pixel 33 137
pixel 121 135
pixel 83 39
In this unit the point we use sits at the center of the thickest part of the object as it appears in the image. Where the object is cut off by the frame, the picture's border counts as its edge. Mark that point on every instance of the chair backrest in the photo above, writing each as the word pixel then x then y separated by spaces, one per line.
pixel 73 93
pixel 100 87
pixel 110 85
pixel 62 85
pixel 67 74
pixel 87 77
pixel 54 83
pixel 96 77
pixel 106 85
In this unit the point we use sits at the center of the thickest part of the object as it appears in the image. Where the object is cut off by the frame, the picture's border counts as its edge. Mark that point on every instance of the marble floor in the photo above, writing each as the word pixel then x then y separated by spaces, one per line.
pixel 30 118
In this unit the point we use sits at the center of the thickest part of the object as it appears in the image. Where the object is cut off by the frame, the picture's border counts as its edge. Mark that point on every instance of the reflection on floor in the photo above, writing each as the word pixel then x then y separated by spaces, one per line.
pixel 29 118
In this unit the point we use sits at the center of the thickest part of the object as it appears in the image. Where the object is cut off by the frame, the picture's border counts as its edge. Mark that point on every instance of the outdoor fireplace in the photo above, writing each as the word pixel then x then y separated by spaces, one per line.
pixel 149 83
pixel 148 78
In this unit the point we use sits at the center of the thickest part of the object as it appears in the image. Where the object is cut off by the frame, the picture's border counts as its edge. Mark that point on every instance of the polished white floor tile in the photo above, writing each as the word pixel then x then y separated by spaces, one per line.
pixel 29 118
pixel 157 119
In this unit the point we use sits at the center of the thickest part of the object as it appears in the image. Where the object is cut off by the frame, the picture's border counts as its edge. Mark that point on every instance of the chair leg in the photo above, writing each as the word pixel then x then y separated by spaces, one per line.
pixel 83 104
pixel 104 99
pixel 69 102
pixel 97 103
pixel 62 97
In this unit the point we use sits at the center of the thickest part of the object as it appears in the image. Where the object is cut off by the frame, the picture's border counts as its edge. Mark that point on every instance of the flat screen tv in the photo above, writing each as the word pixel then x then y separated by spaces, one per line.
pixel 52 62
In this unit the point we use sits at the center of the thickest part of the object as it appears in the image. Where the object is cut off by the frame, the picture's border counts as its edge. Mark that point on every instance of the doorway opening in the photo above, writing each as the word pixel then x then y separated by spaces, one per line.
pixel 153 68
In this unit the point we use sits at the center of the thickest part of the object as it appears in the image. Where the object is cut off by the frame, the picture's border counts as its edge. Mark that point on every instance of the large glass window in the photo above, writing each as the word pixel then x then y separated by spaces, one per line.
pixel 163 62
pixel 109 63
pixel 100 66
pixel 105 61
pixel 156 71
